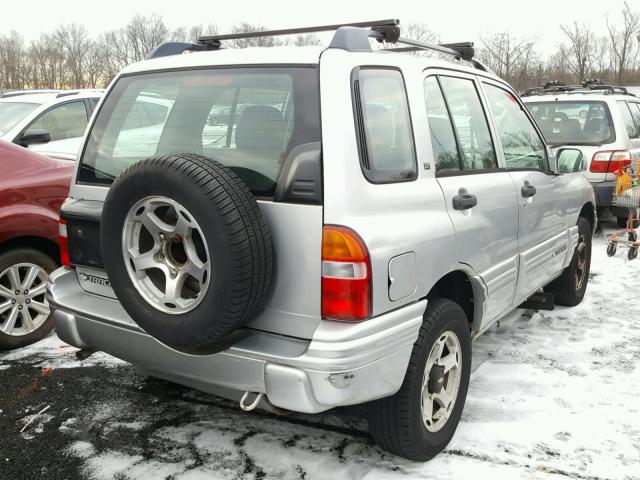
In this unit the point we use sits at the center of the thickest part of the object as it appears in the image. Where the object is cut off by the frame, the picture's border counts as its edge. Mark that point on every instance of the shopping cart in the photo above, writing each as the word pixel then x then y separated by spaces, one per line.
pixel 628 236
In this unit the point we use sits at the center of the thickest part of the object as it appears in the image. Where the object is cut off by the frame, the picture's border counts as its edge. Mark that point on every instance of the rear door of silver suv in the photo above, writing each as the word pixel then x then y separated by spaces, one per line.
pixel 479 194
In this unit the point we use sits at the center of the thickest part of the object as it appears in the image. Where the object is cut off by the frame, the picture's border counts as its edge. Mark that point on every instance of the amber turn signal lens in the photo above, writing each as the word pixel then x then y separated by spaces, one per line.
pixel 342 244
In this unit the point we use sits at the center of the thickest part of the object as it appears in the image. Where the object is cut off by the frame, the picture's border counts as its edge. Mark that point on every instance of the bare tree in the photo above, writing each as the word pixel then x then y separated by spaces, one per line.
pixel 252 41
pixel 198 31
pixel 510 57
pixel 624 41
pixel 144 34
pixel 75 43
pixel 12 61
pixel 580 50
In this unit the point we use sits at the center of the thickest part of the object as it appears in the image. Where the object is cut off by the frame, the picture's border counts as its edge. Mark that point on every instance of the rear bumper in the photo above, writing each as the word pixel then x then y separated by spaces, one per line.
pixel 343 364
pixel 604 193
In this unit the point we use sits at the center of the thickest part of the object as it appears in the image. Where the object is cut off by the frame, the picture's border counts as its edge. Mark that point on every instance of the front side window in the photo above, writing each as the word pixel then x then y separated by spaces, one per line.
pixel 573 122
pixel 11 113
pixel 521 144
pixel 248 119
pixel 384 126
pixel 68 120
pixel 470 122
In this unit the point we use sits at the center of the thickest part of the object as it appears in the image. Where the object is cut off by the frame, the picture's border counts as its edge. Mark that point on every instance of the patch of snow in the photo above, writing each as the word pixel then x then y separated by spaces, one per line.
pixel 109 465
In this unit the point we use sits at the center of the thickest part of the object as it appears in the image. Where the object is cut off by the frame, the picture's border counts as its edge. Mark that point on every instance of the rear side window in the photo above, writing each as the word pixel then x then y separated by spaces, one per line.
pixel 470 124
pixel 443 138
pixel 249 119
pixel 633 129
pixel 521 144
pixel 385 137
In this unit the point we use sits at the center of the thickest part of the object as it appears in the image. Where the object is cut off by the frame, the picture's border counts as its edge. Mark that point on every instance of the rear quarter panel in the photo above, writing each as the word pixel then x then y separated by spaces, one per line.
pixel 392 219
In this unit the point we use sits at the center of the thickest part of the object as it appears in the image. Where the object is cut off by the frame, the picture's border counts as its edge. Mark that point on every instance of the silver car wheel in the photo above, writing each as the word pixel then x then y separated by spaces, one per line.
pixel 166 255
pixel 441 381
pixel 23 304
pixel 581 264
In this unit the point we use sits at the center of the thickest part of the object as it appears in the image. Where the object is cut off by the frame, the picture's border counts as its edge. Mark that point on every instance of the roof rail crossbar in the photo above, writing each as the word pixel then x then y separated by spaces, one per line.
pixel 293 31
pixel 348 36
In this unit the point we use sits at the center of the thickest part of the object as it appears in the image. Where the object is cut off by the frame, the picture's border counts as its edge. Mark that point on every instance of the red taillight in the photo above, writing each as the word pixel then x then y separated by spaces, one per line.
pixel 346 275
pixel 63 243
pixel 609 161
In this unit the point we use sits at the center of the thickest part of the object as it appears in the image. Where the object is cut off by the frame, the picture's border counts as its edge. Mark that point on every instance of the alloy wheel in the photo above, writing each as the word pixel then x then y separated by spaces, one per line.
pixel 441 381
pixel 166 255
pixel 23 304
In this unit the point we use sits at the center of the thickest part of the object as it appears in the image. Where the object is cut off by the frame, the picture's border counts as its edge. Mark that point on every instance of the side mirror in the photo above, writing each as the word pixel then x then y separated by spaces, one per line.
pixel 32 137
pixel 569 160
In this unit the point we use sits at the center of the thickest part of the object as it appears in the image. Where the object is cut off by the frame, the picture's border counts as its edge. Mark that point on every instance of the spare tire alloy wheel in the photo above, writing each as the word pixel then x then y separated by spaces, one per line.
pixel 23 306
pixel 168 258
pixel 187 250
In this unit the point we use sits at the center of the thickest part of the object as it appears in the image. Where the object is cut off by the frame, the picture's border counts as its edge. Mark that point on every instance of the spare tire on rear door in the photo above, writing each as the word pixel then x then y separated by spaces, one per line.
pixel 187 250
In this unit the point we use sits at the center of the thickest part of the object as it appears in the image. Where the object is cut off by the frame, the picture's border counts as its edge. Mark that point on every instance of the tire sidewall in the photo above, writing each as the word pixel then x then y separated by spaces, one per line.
pixel 453 319
pixel 584 228
pixel 36 257
pixel 164 182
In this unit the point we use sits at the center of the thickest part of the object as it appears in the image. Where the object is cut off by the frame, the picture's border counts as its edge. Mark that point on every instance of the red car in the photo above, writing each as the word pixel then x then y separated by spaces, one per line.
pixel 32 189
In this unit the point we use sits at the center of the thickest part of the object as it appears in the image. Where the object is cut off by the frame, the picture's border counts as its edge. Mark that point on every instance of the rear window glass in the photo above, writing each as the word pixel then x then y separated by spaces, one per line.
pixel 574 123
pixel 249 119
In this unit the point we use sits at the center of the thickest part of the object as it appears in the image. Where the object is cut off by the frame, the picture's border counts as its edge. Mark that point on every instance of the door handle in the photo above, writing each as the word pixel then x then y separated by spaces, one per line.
pixel 464 200
pixel 528 190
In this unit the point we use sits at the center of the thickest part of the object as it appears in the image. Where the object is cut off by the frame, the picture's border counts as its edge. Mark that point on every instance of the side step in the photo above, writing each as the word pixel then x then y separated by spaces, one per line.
pixel 539 301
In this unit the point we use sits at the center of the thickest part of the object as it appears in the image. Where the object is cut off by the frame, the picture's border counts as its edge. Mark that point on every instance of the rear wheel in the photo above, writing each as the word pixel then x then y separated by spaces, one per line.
pixel 611 249
pixel 24 310
pixel 569 288
pixel 420 419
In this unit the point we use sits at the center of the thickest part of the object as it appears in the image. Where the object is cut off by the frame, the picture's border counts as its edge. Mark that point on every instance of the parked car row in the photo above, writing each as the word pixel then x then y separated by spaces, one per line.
pixel 303 228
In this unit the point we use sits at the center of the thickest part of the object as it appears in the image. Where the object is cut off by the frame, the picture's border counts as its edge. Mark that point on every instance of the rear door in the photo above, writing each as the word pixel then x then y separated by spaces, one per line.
pixel 542 208
pixel 479 194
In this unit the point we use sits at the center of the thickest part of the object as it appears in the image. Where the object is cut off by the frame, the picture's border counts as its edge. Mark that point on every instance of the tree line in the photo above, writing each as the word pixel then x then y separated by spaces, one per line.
pixel 70 57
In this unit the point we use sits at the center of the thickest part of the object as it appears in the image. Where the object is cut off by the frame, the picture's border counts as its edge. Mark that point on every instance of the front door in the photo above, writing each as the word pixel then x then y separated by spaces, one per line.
pixel 479 195
pixel 543 239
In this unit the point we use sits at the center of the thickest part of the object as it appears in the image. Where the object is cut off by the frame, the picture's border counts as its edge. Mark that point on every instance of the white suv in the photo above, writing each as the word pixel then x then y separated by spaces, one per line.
pixel 600 120
pixel 48 122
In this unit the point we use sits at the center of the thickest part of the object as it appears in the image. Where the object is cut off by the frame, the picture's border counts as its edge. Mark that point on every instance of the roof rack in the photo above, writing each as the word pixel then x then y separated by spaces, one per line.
pixel 587 86
pixel 348 36
pixel 17 93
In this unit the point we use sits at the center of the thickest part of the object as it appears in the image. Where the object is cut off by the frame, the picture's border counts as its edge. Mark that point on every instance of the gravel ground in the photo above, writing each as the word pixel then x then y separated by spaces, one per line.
pixel 552 397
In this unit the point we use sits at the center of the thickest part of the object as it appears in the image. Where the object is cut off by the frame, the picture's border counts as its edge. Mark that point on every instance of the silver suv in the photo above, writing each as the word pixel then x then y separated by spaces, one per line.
pixel 318 227
pixel 602 121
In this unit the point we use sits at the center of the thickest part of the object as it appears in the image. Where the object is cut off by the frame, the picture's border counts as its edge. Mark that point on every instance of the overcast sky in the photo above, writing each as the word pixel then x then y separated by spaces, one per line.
pixel 452 20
